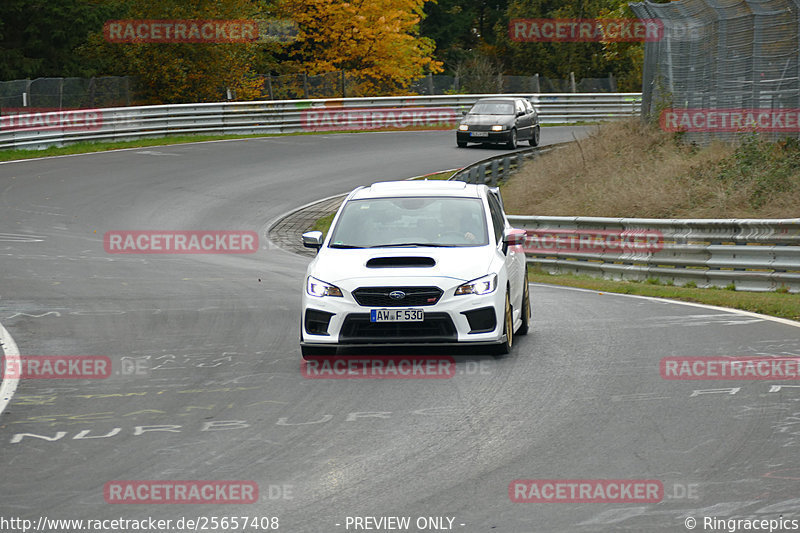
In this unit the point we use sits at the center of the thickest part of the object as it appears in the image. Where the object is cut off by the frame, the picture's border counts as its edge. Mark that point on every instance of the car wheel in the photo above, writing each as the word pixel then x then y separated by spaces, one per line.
pixel 508 328
pixel 535 137
pixel 526 308
pixel 461 144
pixel 309 351
pixel 512 142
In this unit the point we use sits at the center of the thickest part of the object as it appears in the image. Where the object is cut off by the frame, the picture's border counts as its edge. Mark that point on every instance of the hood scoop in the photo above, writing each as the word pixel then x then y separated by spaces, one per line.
pixel 400 262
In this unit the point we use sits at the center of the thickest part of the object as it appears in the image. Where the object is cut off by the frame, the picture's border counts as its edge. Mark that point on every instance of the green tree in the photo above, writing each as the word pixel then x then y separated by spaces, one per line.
pixel 462 27
pixel 558 59
pixel 39 38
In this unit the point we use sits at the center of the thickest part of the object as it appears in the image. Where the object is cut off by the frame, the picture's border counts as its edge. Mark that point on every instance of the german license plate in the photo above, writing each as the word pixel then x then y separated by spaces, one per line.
pixel 479 134
pixel 396 315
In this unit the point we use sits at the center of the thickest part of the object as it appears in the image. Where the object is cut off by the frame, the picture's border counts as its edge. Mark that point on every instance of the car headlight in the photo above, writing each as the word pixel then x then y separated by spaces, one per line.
pixel 315 287
pixel 463 127
pixel 485 285
pixel 497 128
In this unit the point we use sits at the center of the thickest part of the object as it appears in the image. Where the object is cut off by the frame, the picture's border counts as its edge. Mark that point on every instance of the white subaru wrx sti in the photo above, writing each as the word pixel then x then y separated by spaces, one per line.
pixel 416 263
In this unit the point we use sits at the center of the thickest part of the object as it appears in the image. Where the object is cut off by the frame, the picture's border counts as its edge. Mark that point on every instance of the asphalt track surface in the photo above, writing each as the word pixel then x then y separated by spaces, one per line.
pixel 580 397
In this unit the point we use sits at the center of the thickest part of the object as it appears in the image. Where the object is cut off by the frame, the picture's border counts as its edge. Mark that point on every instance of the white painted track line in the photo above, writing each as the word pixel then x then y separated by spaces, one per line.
pixel 12 360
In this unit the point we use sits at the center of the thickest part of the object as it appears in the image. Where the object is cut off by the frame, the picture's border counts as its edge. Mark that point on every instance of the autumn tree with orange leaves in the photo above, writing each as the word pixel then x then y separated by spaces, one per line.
pixel 376 40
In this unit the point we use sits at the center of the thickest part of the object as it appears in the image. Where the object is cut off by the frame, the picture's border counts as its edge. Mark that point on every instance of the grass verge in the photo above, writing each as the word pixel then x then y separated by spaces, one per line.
pixel 437 175
pixel 765 303
pixel 630 169
pixel 323 224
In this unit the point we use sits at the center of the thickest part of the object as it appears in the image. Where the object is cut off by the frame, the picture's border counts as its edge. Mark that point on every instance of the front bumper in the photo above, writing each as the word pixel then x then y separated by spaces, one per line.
pixel 494 137
pixel 341 321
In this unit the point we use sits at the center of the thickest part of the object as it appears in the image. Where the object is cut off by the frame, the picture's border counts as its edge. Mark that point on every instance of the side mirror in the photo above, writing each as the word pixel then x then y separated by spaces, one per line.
pixel 513 237
pixel 520 113
pixel 312 239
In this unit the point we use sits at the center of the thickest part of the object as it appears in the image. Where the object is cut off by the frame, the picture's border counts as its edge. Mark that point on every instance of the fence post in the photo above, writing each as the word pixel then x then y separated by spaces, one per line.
pixel 572 82
pixel 269 86
pixel 536 89
pixel 455 83
pixel 430 83
pixel 305 86
pixel 92 92
pixel 343 93
pixel 612 82
pixel 127 90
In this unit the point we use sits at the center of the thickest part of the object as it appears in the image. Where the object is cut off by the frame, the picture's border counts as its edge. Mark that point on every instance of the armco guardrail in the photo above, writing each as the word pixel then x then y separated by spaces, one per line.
pixel 753 255
pixel 493 170
pixel 48 128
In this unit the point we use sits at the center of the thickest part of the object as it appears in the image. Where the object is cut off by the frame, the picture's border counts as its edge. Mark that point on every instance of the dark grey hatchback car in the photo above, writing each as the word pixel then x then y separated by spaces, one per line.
pixel 499 120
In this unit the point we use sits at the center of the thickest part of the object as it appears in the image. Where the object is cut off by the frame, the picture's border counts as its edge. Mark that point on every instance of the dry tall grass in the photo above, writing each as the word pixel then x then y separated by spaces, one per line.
pixel 628 169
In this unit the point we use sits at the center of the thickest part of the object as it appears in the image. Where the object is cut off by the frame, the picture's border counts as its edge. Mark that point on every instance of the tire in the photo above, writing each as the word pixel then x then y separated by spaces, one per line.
pixel 535 137
pixel 508 328
pixel 461 144
pixel 526 308
pixel 308 351
pixel 512 142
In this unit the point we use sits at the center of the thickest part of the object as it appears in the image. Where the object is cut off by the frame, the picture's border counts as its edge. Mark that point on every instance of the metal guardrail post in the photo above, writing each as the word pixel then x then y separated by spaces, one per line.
pixel 506 166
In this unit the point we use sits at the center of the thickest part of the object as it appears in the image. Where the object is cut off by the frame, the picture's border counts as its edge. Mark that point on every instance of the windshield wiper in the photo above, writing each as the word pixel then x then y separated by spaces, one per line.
pixel 402 244
pixel 344 246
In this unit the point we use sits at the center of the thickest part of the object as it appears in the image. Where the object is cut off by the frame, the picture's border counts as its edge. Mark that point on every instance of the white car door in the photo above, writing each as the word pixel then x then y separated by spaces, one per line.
pixel 514 259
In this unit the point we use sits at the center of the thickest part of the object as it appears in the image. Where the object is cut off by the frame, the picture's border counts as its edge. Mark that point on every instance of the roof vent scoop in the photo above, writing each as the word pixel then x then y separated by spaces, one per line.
pixel 400 262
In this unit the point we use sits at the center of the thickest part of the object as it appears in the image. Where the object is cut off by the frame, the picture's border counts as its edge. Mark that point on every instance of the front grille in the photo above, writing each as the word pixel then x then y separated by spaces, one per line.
pixel 379 296
pixel 437 327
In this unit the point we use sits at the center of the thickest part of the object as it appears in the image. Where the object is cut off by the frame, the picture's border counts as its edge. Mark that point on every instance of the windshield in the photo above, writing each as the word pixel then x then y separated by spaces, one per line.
pixel 492 108
pixel 411 221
